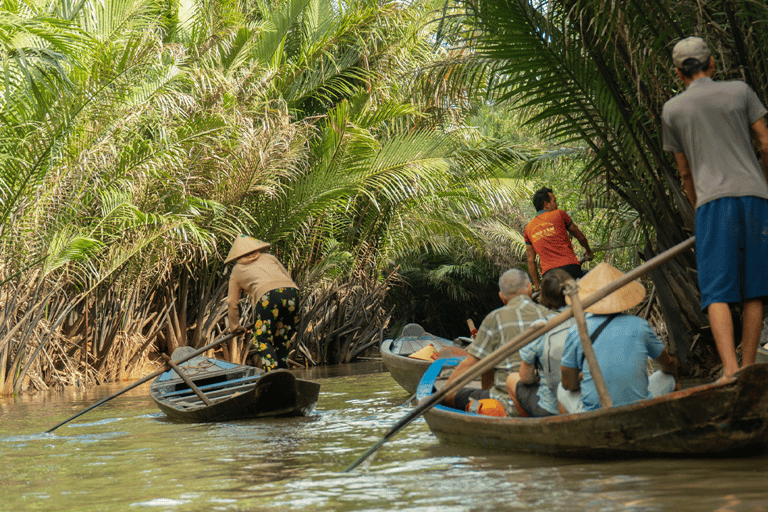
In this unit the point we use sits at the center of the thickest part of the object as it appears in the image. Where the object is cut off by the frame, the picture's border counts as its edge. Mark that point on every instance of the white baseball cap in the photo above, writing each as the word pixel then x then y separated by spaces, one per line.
pixel 690 48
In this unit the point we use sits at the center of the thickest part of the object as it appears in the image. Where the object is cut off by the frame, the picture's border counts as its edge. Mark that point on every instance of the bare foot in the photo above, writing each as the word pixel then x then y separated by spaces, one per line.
pixel 724 379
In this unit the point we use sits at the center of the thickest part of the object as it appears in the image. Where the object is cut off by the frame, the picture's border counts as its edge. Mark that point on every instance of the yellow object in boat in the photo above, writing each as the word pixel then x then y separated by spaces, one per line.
pixel 425 353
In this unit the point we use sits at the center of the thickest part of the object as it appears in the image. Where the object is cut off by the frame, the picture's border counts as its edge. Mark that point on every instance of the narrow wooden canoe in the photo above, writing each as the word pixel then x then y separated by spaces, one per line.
pixel 405 370
pixel 719 418
pixel 234 391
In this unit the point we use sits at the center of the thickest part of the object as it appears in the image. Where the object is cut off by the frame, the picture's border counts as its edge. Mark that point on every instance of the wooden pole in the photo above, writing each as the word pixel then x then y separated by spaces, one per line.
pixel 472 330
pixel 572 290
pixel 501 353
pixel 181 373
pixel 151 376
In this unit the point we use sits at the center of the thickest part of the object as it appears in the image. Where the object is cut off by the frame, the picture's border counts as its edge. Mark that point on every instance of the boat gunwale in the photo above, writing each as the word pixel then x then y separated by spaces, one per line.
pixel 221 407
pixel 528 434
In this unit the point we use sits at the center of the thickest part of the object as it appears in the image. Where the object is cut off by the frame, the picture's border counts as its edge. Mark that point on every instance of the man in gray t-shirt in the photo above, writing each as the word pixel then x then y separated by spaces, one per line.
pixel 709 129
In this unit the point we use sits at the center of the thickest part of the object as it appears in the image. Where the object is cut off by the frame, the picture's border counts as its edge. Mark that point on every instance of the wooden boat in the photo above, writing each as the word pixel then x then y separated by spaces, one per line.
pixel 762 354
pixel 233 391
pixel 762 346
pixel 726 418
pixel 407 371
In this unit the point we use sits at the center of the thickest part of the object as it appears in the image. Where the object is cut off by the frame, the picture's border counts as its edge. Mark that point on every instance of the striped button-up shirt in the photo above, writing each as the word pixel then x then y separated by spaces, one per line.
pixel 499 328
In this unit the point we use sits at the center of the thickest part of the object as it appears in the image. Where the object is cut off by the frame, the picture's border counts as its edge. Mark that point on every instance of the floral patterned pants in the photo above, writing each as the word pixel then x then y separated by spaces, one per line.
pixel 275 324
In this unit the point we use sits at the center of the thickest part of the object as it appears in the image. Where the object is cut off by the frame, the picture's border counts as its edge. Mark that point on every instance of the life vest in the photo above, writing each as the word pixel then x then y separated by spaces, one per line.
pixel 486 407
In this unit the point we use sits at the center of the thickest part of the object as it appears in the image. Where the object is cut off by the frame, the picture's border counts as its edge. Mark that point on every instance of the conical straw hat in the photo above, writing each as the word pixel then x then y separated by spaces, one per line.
pixel 626 297
pixel 243 245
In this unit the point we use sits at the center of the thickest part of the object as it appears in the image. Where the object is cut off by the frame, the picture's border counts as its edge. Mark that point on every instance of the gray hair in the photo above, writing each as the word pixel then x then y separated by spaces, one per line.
pixel 513 282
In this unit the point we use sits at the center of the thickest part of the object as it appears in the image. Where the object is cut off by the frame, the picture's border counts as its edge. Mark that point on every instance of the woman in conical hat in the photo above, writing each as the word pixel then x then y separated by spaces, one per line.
pixel 275 300
pixel 622 344
pixel 623 299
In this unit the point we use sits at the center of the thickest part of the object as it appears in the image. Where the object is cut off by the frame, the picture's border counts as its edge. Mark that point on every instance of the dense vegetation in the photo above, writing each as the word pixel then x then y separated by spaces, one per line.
pixel 139 137
pixel 369 141
pixel 595 74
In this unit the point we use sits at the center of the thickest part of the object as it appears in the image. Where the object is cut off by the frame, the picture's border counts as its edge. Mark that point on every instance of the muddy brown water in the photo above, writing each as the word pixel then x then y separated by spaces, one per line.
pixel 125 455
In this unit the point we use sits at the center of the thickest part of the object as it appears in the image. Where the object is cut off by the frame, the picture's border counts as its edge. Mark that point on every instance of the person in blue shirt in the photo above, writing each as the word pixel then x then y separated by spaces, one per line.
pixel 622 349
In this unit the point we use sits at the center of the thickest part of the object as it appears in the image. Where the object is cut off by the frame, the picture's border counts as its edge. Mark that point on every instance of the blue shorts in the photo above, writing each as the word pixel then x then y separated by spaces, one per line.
pixel 732 249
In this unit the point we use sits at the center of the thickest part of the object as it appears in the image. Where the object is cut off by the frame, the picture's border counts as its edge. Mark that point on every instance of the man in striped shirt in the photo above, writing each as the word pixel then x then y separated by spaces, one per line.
pixel 501 325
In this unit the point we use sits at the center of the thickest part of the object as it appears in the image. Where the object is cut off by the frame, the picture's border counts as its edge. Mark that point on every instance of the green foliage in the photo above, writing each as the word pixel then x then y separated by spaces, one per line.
pixel 138 137
pixel 593 75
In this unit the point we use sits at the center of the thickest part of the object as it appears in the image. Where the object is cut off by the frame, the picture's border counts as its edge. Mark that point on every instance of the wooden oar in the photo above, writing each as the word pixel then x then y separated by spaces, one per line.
pixel 472 329
pixel 152 376
pixel 572 290
pixel 501 353
pixel 181 373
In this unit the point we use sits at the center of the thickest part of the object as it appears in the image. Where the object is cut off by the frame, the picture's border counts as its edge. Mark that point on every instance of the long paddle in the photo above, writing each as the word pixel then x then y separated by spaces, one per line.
pixel 572 290
pixel 520 341
pixel 152 376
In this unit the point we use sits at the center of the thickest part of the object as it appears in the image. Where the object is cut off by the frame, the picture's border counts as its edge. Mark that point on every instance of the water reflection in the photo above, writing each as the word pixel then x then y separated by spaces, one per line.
pixel 126 455
pixel 342 370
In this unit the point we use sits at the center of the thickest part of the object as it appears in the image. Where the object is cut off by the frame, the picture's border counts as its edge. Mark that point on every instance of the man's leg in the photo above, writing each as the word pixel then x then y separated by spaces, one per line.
pixel 719 256
pixel 660 383
pixel 574 270
pixel 569 402
pixel 754 272
pixel 752 325
pixel 512 380
pixel 722 329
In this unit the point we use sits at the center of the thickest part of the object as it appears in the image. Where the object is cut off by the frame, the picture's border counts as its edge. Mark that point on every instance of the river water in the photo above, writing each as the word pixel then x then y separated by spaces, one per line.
pixel 124 455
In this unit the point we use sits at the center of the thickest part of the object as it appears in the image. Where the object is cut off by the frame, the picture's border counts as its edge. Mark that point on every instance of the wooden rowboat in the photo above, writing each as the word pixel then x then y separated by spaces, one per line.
pixel 727 418
pixel 408 371
pixel 233 391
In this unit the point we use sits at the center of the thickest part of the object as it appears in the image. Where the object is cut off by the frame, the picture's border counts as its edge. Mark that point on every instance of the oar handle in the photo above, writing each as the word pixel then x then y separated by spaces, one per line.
pixel 472 328
pixel 151 376
pixel 572 291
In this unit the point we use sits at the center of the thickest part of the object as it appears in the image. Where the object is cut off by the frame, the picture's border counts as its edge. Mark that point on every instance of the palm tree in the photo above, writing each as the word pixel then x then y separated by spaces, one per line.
pixel 380 158
pixel 81 153
pixel 141 136
pixel 596 74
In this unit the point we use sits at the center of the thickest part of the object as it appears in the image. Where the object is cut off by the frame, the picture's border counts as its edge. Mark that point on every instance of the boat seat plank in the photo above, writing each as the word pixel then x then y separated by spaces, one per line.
pixel 215 394
pixel 195 373
pixel 215 385
pixel 193 402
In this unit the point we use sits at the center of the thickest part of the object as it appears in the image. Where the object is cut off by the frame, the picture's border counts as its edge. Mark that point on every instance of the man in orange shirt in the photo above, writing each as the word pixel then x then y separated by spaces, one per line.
pixel 548 235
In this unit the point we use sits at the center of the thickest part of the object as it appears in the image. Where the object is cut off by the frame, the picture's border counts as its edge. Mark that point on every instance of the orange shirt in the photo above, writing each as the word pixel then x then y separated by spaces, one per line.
pixel 548 233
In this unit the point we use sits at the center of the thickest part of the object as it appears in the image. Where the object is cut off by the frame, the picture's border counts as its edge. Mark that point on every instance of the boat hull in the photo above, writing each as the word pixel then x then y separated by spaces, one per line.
pixel 719 418
pixel 406 371
pixel 234 391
